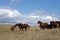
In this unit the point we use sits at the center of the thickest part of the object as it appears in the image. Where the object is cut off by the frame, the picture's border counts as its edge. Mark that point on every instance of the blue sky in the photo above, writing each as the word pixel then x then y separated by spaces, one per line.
pixel 32 5
pixel 49 8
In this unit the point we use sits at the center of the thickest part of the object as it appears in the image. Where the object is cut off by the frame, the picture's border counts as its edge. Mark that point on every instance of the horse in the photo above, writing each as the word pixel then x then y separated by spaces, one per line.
pixel 58 23
pixel 54 24
pixel 21 26
pixel 12 28
pixel 43 25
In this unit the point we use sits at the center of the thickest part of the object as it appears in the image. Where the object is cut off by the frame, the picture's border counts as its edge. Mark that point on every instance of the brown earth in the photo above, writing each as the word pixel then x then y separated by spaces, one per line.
pixel 34 33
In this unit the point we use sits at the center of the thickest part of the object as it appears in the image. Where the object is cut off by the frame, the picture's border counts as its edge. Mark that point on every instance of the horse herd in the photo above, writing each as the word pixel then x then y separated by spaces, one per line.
pixel 53 24
pixel 42 25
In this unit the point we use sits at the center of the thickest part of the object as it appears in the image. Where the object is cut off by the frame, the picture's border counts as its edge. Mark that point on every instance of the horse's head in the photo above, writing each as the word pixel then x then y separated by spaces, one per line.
pixel 18 24
pixel 39 22
pixel 51 22
pixel 12 29
pixel 28 26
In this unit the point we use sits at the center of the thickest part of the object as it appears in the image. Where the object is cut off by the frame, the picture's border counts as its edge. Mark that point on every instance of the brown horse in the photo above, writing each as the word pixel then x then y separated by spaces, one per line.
pixel 12 28
pixel 54 24
pixel 42 25
pixel 58 23
pixel 21 26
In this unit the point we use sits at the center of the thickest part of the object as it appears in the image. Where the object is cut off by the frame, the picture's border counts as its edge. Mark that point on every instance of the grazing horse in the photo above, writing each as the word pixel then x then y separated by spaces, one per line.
pixel 12 28
pixel 54 24
pixel 42 25
pixel 21 26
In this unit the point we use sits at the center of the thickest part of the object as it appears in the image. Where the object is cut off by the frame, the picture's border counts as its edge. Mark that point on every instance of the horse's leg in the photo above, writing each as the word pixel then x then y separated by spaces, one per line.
pixel 43 27
pixel 59 24
pixel 22 29
pixel 19 28
pixel 49 27
pixel 55 26
pixel 25 28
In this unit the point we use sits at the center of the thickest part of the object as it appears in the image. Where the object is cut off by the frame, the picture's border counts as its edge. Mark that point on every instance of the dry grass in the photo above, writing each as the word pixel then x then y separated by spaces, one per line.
pixel 34 33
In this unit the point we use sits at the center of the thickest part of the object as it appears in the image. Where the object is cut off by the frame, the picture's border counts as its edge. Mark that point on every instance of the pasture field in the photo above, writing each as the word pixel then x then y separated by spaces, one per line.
pixel 34 33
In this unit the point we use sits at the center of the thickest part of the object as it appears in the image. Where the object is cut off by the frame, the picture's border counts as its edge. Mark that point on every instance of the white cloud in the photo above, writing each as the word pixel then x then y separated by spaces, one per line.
pixel 50 18
pixel 9 16
pixel 10 13
pixel 33 16
pixel 13 16
pixel 42 16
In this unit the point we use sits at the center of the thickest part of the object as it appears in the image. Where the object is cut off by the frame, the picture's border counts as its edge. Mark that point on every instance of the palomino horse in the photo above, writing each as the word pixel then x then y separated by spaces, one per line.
pixel 21 26
pixel 42 25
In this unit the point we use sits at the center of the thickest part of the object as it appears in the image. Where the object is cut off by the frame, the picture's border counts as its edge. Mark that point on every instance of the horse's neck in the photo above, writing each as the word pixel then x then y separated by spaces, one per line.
pixel 41 23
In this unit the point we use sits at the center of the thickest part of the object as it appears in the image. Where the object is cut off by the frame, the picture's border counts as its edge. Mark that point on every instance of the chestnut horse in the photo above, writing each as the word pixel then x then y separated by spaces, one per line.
pixel 54 24
pixel 42 25
pixel 58 22
pixel 21 26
